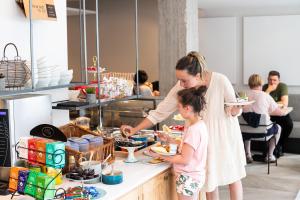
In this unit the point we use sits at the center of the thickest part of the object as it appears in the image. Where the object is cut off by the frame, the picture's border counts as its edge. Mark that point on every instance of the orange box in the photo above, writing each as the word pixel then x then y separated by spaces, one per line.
pixel 41 150
pixel 13 178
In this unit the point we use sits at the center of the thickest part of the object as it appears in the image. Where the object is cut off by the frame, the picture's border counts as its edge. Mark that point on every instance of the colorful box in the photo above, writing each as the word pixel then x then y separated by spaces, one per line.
pixel 41 150
pixel 30 187
pixel 41 191
pixel 23 147
pixel 22 180
pixel 55 173
pixel 14 177
pixel 32 153
pixel 55 154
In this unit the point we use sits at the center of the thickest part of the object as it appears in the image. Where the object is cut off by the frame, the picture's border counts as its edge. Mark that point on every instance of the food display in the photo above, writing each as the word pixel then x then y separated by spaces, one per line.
pixel 84 193
pixel 80 174
pixel 129 143
pixel 178 117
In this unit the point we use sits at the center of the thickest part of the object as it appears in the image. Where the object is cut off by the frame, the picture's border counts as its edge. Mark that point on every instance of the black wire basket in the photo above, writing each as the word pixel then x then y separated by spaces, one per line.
pixel 15 71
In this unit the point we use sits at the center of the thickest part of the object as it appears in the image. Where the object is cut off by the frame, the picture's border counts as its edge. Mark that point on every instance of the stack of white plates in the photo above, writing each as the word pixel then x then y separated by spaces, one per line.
pixel 46 75
pixel 65 77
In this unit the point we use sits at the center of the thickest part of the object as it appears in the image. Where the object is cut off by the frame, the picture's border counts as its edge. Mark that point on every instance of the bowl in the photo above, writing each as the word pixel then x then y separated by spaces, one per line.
pixel 95 165
pixel 112 178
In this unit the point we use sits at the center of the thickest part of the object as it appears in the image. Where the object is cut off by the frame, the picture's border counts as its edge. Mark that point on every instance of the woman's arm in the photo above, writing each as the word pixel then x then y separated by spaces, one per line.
pixel 163 110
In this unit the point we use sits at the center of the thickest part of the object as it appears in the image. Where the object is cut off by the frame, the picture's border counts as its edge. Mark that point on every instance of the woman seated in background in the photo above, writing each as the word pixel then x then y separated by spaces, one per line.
pixel 145 87
pixel 264 104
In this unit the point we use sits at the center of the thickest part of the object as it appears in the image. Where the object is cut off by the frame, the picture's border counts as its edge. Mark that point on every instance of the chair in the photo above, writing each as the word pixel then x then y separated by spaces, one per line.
pixel 259 133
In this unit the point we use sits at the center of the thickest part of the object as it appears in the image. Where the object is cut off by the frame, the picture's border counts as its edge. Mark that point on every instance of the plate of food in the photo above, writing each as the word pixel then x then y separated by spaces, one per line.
pixel 239 103
pixel 163 150
pixel 152 161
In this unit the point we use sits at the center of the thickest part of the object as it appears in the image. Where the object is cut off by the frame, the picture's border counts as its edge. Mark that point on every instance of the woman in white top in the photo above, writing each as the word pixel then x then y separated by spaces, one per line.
pixel 264 104
pixel 226 158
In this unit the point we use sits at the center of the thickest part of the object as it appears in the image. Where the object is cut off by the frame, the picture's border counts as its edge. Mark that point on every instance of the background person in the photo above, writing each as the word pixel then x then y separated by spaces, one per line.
pixel 264 104
pixel 145 87
pixel 279 92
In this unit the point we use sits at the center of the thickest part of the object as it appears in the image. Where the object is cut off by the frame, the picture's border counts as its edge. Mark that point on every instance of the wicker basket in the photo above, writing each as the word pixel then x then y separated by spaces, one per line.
pixel 15 70
pixel 100 153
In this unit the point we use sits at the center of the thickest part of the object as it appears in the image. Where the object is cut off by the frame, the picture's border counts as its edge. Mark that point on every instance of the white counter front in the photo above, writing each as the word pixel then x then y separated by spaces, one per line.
pixel 134 174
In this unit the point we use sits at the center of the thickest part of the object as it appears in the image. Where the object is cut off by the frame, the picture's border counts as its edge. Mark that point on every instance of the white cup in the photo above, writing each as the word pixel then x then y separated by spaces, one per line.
pixel 173 148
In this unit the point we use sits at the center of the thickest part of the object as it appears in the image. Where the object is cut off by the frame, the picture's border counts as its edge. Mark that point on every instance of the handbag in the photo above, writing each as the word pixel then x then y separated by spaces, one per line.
pixel 15 70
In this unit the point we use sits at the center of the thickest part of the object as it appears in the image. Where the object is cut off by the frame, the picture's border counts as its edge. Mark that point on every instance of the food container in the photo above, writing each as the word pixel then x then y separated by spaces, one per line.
pixel 84 144
pixel 112 177
pixel 94 141
pixel 94 165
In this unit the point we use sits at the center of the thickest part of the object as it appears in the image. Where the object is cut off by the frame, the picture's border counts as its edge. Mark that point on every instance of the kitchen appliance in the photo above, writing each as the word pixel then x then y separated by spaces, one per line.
pixel 18 115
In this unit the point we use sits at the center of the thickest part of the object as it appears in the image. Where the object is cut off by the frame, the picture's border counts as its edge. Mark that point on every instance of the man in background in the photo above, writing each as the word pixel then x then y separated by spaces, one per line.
pixel 279 92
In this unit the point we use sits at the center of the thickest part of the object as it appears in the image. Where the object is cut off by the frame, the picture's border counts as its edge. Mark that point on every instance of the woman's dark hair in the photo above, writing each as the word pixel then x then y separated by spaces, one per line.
pixel 193 63
pixel 193 97
pixel 143 77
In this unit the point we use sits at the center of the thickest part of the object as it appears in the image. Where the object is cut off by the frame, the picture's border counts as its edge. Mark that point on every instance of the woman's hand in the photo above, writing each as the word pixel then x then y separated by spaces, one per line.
pixel 127 130
pixel 233 110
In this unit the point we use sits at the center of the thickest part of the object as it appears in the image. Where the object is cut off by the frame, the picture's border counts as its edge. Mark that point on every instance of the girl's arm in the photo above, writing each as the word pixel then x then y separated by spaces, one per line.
pixel 184 158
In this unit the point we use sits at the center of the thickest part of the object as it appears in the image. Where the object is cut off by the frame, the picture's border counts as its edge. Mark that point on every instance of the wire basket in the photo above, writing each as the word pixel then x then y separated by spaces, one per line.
pixel 15 71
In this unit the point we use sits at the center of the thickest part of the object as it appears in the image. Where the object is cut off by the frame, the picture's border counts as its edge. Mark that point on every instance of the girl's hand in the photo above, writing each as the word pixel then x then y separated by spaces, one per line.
pixel 163 136
pixel 153 154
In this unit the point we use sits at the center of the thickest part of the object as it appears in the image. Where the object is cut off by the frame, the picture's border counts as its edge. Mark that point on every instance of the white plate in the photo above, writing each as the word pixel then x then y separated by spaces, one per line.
pixel 244 103
pixel 163 154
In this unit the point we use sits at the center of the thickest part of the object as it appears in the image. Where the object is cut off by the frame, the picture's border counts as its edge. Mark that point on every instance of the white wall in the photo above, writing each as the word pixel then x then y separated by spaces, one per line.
pixel 50 37
pixel 239 14
pixel 117 37
pixel 272 43
pixel 218 43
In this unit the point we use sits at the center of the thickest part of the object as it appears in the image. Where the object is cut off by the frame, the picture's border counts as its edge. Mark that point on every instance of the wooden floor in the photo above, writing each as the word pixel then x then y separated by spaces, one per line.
pixel 283 183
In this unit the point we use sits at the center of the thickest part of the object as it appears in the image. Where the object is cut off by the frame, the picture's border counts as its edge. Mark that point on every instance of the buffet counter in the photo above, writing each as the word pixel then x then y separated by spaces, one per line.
pixel 141 180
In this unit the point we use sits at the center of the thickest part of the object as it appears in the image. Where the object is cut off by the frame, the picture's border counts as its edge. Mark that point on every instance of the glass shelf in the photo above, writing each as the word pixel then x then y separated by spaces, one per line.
pixel 102 102
pixel 25 90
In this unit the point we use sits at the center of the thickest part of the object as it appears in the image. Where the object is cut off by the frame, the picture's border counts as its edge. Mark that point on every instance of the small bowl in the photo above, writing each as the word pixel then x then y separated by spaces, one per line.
pixel 95 165
pixel 112 179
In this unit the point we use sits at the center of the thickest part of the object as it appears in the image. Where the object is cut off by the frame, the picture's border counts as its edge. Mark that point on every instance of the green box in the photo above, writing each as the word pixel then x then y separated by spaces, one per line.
pixel 42 182
pixel 30 187
pixel 55 154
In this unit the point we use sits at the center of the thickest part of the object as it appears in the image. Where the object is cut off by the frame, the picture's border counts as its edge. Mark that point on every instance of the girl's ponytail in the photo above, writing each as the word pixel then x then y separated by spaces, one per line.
pixel 193 97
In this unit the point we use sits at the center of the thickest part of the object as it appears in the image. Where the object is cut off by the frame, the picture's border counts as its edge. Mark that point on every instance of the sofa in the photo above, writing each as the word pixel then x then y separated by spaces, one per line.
pixel 293 142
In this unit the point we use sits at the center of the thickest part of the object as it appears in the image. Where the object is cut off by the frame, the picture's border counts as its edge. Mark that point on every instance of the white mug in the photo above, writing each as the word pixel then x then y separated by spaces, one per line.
pixel 173 148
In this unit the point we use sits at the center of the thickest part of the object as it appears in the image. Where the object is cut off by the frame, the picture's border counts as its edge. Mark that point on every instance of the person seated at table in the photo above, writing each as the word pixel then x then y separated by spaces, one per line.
pixel 264 104
pixel 279 92
pixel 145 87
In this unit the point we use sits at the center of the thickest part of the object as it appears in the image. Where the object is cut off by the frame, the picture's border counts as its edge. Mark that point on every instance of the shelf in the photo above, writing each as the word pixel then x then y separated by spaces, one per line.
pixel 75 12
pixel 25 90
pixel 102 102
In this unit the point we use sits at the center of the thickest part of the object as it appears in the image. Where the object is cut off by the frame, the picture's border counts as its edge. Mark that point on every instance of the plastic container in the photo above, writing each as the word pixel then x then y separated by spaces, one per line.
pixel 94 141
pixel 84 144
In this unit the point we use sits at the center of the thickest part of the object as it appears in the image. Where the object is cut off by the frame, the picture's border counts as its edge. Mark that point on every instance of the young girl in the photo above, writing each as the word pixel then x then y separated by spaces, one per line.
pixel 189 164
